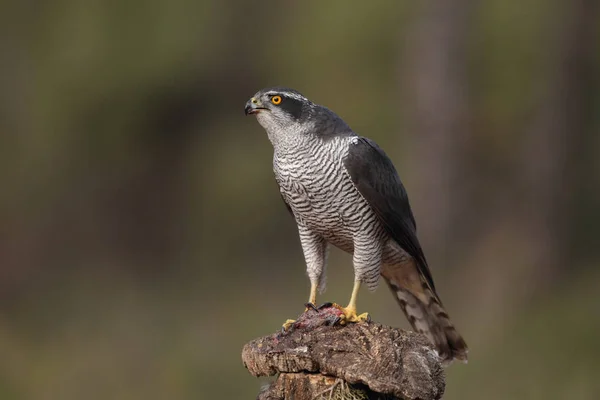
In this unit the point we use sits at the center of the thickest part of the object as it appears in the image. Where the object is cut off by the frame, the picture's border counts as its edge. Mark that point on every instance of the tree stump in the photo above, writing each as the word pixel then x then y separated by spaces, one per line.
pixel 319 358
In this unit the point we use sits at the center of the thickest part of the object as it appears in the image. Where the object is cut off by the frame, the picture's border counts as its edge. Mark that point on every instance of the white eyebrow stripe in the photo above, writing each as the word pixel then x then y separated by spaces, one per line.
pixel 289 95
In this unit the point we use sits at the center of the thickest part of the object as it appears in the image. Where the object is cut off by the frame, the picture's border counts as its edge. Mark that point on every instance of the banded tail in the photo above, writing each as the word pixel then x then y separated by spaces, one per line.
pixel 425 311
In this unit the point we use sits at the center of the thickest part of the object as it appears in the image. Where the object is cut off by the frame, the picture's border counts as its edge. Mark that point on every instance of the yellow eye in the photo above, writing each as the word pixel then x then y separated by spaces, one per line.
pixel 276 100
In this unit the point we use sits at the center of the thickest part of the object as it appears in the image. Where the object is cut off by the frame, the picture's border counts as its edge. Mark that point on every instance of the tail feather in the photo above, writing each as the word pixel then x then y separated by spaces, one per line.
pixel 426 315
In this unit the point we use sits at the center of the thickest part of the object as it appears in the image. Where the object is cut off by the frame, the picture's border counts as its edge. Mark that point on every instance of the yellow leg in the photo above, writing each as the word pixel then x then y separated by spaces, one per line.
pixel 312 299
pixel 313 294
pixel 352 304
pixel 350 311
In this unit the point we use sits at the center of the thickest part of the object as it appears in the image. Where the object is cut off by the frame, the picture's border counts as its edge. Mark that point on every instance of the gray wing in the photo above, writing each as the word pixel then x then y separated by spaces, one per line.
pixel 375 177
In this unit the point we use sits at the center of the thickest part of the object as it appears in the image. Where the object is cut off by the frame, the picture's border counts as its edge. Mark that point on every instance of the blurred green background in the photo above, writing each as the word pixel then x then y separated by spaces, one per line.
pixel 142 237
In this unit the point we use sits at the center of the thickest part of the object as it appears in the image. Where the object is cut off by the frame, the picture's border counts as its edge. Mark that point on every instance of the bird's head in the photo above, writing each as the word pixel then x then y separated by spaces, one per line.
pixel 280 108
pixel 287 116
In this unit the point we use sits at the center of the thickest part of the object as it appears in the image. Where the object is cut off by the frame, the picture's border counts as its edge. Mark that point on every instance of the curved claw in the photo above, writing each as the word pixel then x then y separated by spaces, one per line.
pixel 349 315
pixel 287 325
pixel 311 306
pixel 325 305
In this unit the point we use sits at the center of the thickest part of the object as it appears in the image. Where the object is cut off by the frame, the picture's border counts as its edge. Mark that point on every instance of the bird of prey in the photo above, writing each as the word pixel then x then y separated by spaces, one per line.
pixel 343 190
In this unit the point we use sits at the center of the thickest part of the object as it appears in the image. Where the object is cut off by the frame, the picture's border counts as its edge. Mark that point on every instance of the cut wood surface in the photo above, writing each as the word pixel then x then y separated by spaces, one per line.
pixel 319 358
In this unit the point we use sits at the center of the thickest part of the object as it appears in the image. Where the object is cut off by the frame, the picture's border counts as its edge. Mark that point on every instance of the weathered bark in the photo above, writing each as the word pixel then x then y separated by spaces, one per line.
pixel 355 361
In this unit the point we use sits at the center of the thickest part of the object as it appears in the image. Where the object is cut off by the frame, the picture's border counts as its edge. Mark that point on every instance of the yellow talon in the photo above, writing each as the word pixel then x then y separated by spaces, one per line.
pixel 350 315
pixel 288 324
pixel 350 311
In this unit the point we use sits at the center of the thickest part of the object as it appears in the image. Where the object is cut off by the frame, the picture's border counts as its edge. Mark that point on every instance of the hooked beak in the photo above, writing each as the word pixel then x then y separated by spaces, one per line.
pixel 253 106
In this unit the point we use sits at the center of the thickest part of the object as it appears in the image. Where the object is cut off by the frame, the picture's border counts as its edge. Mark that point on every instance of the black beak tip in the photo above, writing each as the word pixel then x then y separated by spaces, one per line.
pixel 247 109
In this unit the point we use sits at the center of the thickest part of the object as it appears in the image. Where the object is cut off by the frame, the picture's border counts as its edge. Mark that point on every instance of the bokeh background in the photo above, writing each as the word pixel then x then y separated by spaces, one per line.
pixel 142 237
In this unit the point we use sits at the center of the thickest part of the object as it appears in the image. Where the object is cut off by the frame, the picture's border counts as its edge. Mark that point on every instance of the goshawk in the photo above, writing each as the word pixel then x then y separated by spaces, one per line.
pixel 343 190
